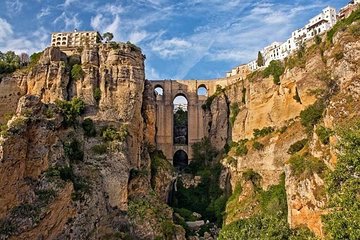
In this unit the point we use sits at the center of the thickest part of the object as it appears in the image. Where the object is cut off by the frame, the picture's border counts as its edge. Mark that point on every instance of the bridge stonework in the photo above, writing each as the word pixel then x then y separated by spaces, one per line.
pixel 197 128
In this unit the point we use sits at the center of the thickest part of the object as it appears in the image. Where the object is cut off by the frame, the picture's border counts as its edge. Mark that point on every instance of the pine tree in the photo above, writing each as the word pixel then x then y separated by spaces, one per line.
pixel 260 60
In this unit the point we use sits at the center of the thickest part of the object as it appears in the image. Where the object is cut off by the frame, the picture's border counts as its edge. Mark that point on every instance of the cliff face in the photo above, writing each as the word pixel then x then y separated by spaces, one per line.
pixel 76 179
pixel 329 74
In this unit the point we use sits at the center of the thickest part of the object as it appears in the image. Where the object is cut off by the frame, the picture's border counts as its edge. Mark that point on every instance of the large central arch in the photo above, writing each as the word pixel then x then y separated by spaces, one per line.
pixel 196 92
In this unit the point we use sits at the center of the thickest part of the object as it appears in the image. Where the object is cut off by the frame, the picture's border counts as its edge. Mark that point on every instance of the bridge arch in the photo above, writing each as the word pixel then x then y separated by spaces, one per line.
pixel 202 90
pixel 180 119
pixel 159 90
pixel 180 159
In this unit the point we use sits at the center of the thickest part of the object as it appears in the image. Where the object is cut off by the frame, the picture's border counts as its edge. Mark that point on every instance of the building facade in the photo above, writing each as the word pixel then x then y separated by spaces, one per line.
pixel 348 9
pixel 75 39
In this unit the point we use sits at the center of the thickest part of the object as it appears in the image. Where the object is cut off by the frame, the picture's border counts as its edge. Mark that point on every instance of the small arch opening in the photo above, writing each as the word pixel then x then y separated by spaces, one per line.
pixel 180 159
pixel 202 91
pixel 180 123
pixel 159 91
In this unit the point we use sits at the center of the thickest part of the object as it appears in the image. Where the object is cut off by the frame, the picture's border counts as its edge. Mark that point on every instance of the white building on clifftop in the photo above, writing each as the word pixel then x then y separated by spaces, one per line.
pixel 279 51
pixel 75 39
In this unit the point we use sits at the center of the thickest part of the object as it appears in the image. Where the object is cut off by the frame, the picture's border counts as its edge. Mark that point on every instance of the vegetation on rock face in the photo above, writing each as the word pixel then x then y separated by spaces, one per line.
pixel 312 115
pixel 100 149
pixel 276 69
pixel 296 60
pixel 343 24
pixel 323 134
pixel 70 110
pixel 303 166
pixel 243 99
pixel 296 147
pixel 97 94
pixel 159 163
pixel 270 217
pixel 234 111
pixel 35 57
pixel 270 222
pixel 73 150
pixel 210 99
pixel 89 127
pixel 343 186
pixel 77 73
pixel 253 177
pixel 149 208
pixel 258 146
pixel 240 147
pixel 263 132
pixel 111 133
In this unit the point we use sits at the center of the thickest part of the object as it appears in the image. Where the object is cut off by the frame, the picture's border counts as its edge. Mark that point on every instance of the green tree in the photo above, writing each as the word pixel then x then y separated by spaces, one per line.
pixel 35 57
pixel 77 72
pixel 11 58
pixel 260 60
pixel 9 62
pixel 276 69
pixel 343 186
pixel 108 36
pixel 70 110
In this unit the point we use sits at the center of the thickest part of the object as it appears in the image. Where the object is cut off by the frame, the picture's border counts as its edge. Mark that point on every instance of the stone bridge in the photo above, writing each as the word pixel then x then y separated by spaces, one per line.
pixel 196 115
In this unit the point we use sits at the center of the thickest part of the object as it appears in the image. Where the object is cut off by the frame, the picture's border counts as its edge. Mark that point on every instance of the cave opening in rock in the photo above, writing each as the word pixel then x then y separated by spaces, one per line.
pixel 180 159
pixel 180 124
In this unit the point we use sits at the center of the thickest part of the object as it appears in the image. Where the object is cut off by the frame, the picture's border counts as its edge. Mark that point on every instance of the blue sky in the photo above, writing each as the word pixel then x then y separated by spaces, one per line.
pixel 189 39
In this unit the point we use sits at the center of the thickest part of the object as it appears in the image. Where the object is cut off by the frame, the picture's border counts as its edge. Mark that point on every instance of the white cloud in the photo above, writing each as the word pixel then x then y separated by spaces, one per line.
pixel 104 23
pixel 69 2
pixel 137 36
pixel 43 12
pixel 70 22
pixel 34 42
pixel 5 29
pixel 114 9
pixel 151 73
pixel 14 6
pixel 171 47
pixel 96 22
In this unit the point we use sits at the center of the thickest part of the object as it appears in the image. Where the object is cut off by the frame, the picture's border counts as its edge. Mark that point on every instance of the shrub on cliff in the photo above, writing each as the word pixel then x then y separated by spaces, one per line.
pixel 240 147
pixel 276 69
pixel 270 220
pixel 89 127
pixel 111 133
pixel 297 146
pixel 312 115
pixel 343 24
pixel 73 150
pixel 77 73
pixel 303 166
pixel 70 110
pixel 97 94
pixel 234 111
pixel 258 146
pixel 343 187
pixel 323 134
pixel 263 132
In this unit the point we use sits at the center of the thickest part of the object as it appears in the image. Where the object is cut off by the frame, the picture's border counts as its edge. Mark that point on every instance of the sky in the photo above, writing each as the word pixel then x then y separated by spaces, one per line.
pixel 188 39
